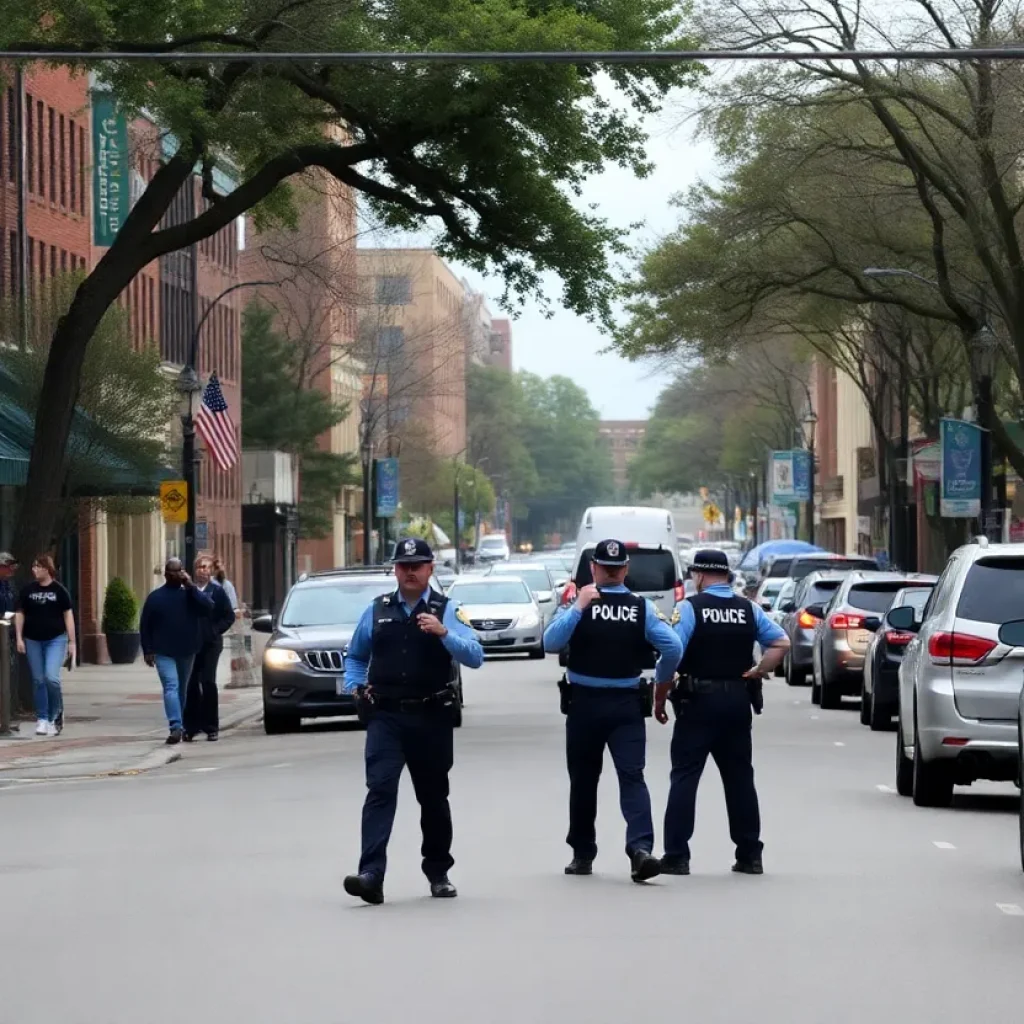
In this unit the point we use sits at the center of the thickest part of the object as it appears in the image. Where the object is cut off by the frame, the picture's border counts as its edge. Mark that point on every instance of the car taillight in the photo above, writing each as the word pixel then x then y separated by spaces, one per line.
pixel 806 620
pixel 896 638
pixel 841 620
pixel 960 648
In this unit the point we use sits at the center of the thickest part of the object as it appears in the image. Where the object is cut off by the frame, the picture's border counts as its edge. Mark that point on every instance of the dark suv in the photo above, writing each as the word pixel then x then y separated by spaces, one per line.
pixel 304 660
pixel 816 588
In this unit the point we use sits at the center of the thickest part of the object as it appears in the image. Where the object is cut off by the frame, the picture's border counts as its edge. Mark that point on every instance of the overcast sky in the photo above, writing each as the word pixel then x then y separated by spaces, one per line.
pixel 568 344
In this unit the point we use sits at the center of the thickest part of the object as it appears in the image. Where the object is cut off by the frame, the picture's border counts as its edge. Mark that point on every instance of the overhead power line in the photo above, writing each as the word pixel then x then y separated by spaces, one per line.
pixel 1012 52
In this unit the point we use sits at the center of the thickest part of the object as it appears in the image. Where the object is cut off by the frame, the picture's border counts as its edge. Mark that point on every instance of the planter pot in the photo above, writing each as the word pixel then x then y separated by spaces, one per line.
pixel 123 648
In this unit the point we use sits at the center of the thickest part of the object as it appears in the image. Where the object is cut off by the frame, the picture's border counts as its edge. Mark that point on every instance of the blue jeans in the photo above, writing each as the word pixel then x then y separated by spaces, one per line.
pixel 45 660
pixel 174 673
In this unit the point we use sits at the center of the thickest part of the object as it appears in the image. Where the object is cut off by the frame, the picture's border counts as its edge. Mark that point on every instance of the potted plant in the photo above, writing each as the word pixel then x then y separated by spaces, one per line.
pixel 120 622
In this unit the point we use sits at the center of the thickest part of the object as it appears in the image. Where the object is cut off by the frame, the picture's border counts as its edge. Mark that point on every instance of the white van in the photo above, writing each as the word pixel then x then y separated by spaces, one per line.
pixel 650 538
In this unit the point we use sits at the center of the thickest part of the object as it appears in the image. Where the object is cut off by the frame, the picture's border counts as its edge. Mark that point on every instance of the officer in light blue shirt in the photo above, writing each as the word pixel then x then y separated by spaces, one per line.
pixel 402 653
pixel 610 633
pixel 720 684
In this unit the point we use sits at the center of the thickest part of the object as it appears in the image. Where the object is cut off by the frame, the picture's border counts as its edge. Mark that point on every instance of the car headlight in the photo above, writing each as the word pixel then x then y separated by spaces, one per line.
pixel 529 620
pixel 279 657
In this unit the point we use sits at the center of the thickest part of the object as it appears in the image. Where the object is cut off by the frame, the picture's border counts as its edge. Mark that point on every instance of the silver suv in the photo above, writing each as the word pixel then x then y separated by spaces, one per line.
pixel 959 684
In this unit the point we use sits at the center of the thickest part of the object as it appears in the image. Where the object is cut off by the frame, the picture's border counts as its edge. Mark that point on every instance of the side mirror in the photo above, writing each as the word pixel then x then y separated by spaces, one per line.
pixel 787 607
pixel 263 624
pixel 872 623
pixel 1012 633
pixel 904 619
pixel 817 610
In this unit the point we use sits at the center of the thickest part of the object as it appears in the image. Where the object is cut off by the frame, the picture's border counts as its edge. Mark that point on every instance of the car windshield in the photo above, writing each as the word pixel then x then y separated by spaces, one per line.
pixel 648 570
pixel 335 605
pixel 493 543
pixel 992 590
pixel 779 568
pixel 490 592
pixel 536 579
pixel 802 567
pixel 873 597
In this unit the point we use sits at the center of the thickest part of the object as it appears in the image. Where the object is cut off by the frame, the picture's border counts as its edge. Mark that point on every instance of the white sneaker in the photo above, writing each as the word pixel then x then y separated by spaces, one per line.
pixel 51 728
pixel 42 727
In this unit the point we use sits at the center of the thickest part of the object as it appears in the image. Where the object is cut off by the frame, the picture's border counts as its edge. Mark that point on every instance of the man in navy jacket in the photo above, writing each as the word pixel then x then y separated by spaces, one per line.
pixel 171 637
pixel 201 712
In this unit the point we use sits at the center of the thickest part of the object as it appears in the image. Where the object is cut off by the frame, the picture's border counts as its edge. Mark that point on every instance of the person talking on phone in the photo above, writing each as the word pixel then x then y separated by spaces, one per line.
pixel 170 629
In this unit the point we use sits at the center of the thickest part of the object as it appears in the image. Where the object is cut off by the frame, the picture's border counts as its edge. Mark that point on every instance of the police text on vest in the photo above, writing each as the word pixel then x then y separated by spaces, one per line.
pixel 723 615
pixel 614 612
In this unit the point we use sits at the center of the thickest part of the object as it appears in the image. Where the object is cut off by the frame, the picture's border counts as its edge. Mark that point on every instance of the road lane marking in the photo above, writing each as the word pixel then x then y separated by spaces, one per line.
pixel 1012 909
pixel 882 788
pixel 839 743
pixel 217 769
pixel 814 718
pixel 283 764
pixel 939 844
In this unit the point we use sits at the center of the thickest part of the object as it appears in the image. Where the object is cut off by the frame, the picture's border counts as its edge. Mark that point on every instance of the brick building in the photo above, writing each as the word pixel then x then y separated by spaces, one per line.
pixel 623 438
pixel 57 162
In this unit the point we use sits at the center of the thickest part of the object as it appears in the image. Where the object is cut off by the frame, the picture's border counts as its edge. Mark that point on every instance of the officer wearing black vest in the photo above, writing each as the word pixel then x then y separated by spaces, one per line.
pixel 717 630
pixel 612 633
pixel 400 661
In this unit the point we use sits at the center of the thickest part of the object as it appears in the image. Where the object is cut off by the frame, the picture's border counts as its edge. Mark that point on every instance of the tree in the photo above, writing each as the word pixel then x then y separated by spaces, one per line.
pixel 121 446
pixel 282 411
pixel 492 154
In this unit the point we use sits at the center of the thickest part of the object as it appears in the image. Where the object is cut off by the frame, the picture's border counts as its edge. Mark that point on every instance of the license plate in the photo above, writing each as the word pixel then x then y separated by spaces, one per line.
pixel 486 636
pixel 339 685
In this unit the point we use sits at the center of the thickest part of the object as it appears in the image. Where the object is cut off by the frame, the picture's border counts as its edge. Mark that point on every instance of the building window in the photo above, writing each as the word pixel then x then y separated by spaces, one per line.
pixel 63 167
pixel 390 341
pixel 72 177
pixel 30 146
pixel 12 135
pixel 40 108
pixel 394 290
pixel 81 171
pixel 52 137
pixel 53 261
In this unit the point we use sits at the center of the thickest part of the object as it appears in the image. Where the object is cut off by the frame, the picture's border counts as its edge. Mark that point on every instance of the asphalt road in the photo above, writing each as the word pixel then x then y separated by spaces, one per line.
pixel 210 892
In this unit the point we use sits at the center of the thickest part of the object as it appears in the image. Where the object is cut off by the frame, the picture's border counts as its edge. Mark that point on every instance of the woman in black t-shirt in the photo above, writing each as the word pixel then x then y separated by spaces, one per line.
pixel 45 628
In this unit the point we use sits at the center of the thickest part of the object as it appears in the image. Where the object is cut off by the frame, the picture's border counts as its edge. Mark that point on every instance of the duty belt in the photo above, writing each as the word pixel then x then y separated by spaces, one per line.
pixel 716 685
pixel 411 703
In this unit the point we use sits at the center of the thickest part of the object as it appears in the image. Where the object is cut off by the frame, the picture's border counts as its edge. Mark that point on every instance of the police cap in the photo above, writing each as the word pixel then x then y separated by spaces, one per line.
pixel 610 552
pixel 710 560
pixel 412 550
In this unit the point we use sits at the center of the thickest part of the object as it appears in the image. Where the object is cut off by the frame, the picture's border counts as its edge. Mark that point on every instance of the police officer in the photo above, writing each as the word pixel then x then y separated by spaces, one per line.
pixel 719 682
pixel 612 632
pixel 400 660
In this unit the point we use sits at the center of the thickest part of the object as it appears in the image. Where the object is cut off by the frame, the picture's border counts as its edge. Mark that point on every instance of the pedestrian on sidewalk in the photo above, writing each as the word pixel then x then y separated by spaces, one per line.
pixel 221 576
pixel 171 638
pixel 8 596
pixel 44 624
pixel 201 712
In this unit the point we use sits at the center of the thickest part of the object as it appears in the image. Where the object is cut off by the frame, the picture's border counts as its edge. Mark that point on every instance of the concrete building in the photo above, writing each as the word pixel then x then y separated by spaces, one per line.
pixel 315 305
pixel 623 438
pixel 415 348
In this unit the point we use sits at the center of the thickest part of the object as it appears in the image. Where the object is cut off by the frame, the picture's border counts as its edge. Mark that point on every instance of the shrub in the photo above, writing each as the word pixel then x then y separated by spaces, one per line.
pixel 120 608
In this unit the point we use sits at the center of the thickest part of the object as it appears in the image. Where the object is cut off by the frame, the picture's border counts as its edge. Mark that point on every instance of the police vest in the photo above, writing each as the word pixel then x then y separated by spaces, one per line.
pixel 608 641
pixel 724 634
pixel 405 662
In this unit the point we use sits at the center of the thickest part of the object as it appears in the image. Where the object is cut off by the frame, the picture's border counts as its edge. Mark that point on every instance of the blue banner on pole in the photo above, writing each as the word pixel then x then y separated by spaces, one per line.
pixel 802 474
pixel 387 488
pixel 960 469
pixel 791 476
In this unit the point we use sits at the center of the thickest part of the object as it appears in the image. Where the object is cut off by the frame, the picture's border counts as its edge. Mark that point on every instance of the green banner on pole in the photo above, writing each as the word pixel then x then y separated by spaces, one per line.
pixel 110 169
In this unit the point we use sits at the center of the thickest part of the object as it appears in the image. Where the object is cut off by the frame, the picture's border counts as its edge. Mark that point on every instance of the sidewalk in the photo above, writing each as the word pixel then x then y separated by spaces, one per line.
pixel 113 724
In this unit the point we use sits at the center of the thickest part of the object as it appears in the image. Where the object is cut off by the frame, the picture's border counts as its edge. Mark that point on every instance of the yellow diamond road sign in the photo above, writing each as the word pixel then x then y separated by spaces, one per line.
pixel 174 501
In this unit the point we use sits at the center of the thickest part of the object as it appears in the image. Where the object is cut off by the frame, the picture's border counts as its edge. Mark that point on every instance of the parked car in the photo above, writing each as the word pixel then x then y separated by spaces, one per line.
pixel 536 576
pixel 841 638
pixel 767 594
pixel 638 523
pixel 304 659
pixel 800 622
pixel 880 686
pixel 798 566
pixel 960 683
pixel 504 613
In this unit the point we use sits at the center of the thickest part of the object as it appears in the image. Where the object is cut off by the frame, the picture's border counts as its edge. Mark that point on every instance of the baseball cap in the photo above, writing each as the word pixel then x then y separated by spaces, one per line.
pixel 610 552
pixel 413 549
pixel 710 560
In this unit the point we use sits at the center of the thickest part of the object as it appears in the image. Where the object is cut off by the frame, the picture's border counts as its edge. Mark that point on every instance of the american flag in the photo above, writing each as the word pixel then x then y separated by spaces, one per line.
pixel 215 426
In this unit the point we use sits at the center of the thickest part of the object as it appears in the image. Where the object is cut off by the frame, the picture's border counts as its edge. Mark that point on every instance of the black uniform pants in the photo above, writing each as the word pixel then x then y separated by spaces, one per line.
pixel 421 740
pixel 609 717
pixel 202 704
pixel 715 723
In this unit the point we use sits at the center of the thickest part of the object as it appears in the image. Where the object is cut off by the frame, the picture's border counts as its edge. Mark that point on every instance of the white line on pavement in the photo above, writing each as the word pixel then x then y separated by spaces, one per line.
pixel 939 844
pixel 840 743
pixel 216 769
pixel 882 788
pixel 1012 909
pixel 814 717
pixel 283 764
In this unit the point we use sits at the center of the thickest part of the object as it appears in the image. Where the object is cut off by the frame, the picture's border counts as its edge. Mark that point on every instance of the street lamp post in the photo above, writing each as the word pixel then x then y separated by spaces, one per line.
pixel 984 351
pixel 810 422
pixel 755 467
pixel 188 386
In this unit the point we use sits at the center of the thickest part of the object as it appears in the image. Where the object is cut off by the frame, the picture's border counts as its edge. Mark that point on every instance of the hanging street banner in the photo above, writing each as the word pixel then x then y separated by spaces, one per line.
pixel 960 469
pixel 791 476
pixel 111 173
pixel 387 488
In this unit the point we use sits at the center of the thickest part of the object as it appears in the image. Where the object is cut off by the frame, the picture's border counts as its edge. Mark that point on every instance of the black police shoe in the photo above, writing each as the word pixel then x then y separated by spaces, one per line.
pixel 579 866
pixel 368 888
pixel 675 866
pixel 644 865
pixel 442 889
pixel 749 867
